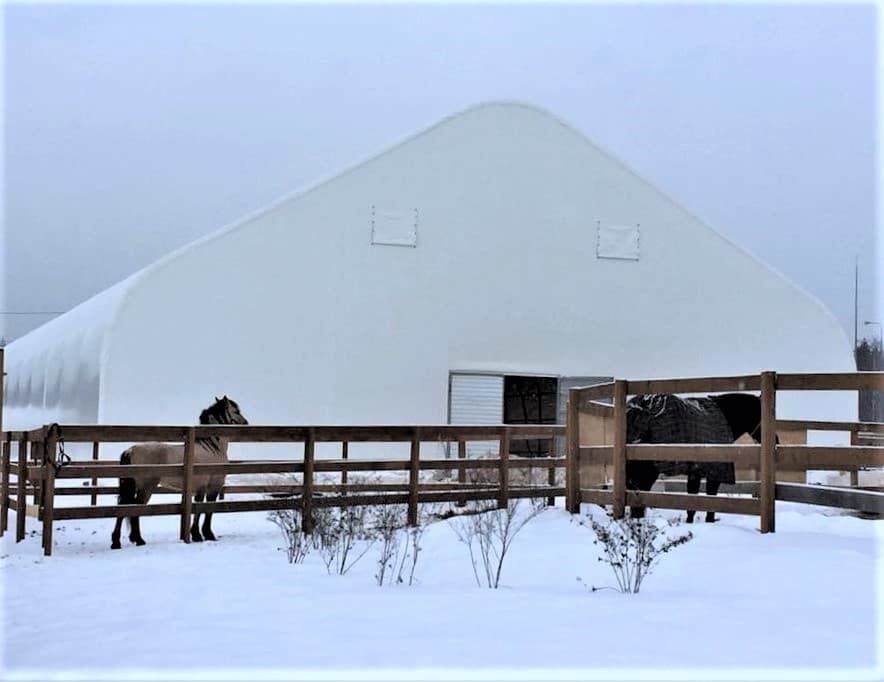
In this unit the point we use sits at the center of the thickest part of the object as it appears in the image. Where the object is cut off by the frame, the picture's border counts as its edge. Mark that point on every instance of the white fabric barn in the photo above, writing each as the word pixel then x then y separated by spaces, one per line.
pixel 498 246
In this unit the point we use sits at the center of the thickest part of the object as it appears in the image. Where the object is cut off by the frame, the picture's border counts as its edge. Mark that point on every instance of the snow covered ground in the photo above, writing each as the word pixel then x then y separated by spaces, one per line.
pixel 802 603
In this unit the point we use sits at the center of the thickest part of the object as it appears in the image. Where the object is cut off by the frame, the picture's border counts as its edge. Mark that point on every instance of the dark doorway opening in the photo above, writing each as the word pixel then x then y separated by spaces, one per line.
pixel 530 400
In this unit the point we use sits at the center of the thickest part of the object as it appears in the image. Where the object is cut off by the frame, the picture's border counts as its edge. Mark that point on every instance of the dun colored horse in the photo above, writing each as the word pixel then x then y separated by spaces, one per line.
pixel 138 489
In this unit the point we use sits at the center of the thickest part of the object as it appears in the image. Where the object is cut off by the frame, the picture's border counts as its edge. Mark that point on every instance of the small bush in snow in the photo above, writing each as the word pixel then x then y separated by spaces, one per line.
pixel 342 536
pixel 633 547
pixel 388 522
pixel 400 544
pixel 297 542
pixel 489 532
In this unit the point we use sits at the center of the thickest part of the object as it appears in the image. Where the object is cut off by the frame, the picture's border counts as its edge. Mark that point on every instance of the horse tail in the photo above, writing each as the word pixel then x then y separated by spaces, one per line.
pixel 128 486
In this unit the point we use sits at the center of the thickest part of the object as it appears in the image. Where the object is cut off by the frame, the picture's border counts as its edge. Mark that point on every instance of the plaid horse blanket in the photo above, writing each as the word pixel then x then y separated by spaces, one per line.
pixel 663 418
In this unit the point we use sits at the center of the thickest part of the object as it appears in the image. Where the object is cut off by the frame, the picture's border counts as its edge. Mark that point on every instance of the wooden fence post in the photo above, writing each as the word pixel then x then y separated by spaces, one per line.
pixel 37 456
pixel 504 498
pixel 551 472
pixel 619 464
pixel 768 464
pixel 21 503
pixel 461 471
pixel 94 499
pixel 307 495
pixel 572 453
pixel 49 446
pixel 187 484
pixel 4 503
pixel 854 475
pixel 345 447
pixel 413 479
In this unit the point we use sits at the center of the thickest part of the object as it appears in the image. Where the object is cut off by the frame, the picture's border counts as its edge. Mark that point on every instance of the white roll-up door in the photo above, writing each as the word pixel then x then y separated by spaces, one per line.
pixel 476 399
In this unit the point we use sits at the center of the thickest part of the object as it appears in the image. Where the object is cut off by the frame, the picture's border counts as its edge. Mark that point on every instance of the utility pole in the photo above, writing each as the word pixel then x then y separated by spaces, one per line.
pixel 855 303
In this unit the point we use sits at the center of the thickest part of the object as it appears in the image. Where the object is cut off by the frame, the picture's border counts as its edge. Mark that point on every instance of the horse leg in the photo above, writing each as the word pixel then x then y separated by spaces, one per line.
pixel 115 536
pixel 141 497
pixel 711 489
pixel 642 475
pixel 127 495
pixel 195 528
pixel 207 524
pixel 693 489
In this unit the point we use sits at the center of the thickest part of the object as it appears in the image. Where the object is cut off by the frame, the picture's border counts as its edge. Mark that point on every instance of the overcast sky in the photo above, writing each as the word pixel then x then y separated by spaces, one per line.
pixel 131 131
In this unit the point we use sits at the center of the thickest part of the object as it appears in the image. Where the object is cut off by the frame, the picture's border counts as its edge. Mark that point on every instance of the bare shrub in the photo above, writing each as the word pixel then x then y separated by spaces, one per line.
pixel 633 546
pixel 297 542
pixel 388 522
pixel 489 532
pixel 342 536
pixel 400 543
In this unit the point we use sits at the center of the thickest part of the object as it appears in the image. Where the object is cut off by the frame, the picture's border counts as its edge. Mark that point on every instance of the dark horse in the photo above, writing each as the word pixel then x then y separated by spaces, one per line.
pixel 666 418
pixel 138 489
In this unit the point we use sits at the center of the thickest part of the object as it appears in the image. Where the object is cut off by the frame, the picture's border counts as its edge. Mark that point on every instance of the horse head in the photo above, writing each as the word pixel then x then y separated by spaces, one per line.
pixel 223 411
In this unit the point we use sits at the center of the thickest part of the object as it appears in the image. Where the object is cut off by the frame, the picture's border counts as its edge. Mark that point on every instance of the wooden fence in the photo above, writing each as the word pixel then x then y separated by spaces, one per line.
pixel 767 458
pixel 38 474
pixel 30 458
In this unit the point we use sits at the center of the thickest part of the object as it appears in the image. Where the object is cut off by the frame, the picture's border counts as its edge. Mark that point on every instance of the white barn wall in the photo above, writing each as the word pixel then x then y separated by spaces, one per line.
pixel 299 318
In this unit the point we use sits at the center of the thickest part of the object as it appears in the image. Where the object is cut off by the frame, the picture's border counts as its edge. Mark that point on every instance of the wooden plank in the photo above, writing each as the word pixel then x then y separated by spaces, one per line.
pixel 768 463
pixel 345 451
pixel 4 480
pixel 596 496
pixel 830 496
pixel 111 512
pixel 846 381
pixel 78 433
pixel 749 382
pixel 829 457
pixel 572 454
pixel 594 392
pixel 619 459
pixel 854 475
pixel 742 455
pixel 713 503
pixel 738 488
pixel 49 450
pixel 187 485
pixel 22 476
pixel 551 473
pixel 361 465
pixel 94 491
pixel 263 467
pixel 503 470
pixel 461 471
pixel 597 408
pixel 115 471
pixel 813 425
pixel 307 496
pixel 413 481
pixel 596 454
pixel 89 512
pixel 94 500
pixel 475 495
pixel 37 472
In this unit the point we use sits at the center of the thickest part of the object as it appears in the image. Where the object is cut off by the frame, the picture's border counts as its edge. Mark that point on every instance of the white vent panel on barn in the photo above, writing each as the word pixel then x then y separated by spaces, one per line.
pixel 476 399
pixel 619 242
pixel 394 226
